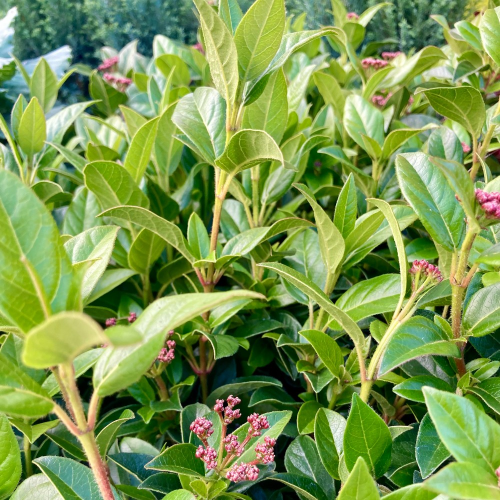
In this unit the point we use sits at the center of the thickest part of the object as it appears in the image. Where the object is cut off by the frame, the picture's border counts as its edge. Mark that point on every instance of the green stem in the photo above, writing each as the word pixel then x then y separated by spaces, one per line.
pixel 28 466
pixel 255 193
pixel 162 388
pixel 203 369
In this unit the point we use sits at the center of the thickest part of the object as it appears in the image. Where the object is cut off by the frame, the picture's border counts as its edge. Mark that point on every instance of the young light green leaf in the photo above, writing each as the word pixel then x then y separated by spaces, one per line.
pixel 463 104
pixel 201 116
pixel 221 50
pixel 113 185
pixel 432 198
pixel 346 208
pixel 258 37
pixel 10 459
pixel 43 85
pixel 144 251
pixel 330 89
pixel 231 13
pixel 367 436
pixel 326 348
pixel 398 137
pixel 469 434
pixel 49 343
pixel 37 487
pixel 108 434
pixel 361 118
pixel 32 128
pixel 139 152
pixel 248 148
pixel 360 484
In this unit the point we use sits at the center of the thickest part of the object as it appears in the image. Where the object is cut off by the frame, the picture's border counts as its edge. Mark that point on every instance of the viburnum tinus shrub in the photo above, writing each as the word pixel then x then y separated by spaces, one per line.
pixel 247 269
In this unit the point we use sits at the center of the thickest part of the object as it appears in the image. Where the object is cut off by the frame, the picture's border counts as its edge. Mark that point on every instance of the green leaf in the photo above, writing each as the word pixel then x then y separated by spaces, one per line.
pixel 167 149
pixel 107 97
pixel 92 248
pixel 359 485
pixel 201 116
pixel 346 208
pixel 197 236
pixel 361 118
pixel 459 180
pixel 317 295
pixel 370 297
pixel 168 63
pixel 398 137
pixel 430 451
pixel 118 368
pixel 307 416
pixel 36 276
pixel 331 242
pixel 109 281
pixel 108 434
pixel 482 315
pixel 463 105
pixel 412 388
pixel 465 481
pixel 432 198
pixel 367 436
pixel 148 220
pixel 330 89
pixel 43 85
pixel 329 430
pixel 302 457
pixel 145 251
pixel 258 37
pixel 412 492
pixel 113 185
pixel 180 458
pixel 489 28
pixel 224 346
pixel 10 459
pixel 304 486
pixel 72 479
pixel 140 149
pixel 247 148
pixel 444 143
pixel 49 344
pixel 416 337
pixel 32 128
pixel 179 495
pixel 36 487
pixel 468 433
pixel 221 51
pixel 326 348
pixel 33 432
pixel 270 111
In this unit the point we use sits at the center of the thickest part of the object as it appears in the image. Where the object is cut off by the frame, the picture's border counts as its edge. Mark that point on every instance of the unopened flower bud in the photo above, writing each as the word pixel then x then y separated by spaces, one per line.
pixel 352 15
pixel 132 317
pixel 110 322
pixel 242 472
pixel 465 147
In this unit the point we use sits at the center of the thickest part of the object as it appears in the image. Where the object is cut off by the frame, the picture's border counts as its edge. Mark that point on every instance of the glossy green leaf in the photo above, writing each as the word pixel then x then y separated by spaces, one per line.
pixel 359 485
pixel 468 433
pixel 331 242
pixel 49 343
pixel 330 89
pixel 304 486
pixel 416 337
pixel 465 481
pixel 430 451
pixel 221 51
pixel 37 487
pixel 346 208
pixel 258 37
pixel 43 85
pixel 201 116
pixel 489 28
pixel 179 458
pixel 118 368
pixel 397 138
pixel 361 118
pixel 329 430
pixel 107 98
pixel 247 148
pixel 432 198
pixel 140 149
pixel 326 348
pixel 10 458
pixel 113 185
pixel 367 436
pixel 463 105
pixel 108 434
pixel 482 315
pixel 412 388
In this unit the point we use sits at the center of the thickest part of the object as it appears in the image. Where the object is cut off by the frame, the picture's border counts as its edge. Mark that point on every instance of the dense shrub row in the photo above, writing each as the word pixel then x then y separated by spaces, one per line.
pixel 249 269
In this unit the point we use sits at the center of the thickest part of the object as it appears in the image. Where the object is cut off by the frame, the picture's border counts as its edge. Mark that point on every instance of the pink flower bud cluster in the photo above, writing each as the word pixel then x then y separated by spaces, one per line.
pixel 132 317
pixel 199 47
pixel 490 203
pixel 242 472
pixel 118 80
pixel 381 100
pixel 167 354
pixel 110 322
pixel 465 147
pixel 388 56
pixel 228 414
pixel 372 62
pixel 232 445
pixel 429 270
pixel 352 15
pixel 202 427
pixel 257 423
pixel 265 450
pixel 208 455
pixel 108 63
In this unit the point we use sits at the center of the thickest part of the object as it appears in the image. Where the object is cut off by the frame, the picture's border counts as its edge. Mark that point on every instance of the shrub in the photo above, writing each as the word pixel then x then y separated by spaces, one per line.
pixel 249 269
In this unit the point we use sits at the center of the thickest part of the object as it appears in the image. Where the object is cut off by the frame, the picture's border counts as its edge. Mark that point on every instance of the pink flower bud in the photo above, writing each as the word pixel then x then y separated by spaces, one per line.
pixel 352 15
pixel 110 322
pixel 132 317
pixel 257 423
pixel 371 62
pixel 232 445
pixel 265 450
pixel 242 472
pixel 465 147
pixel 390 55
pixel 108 63
pixel 202 427
pixel 208 455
